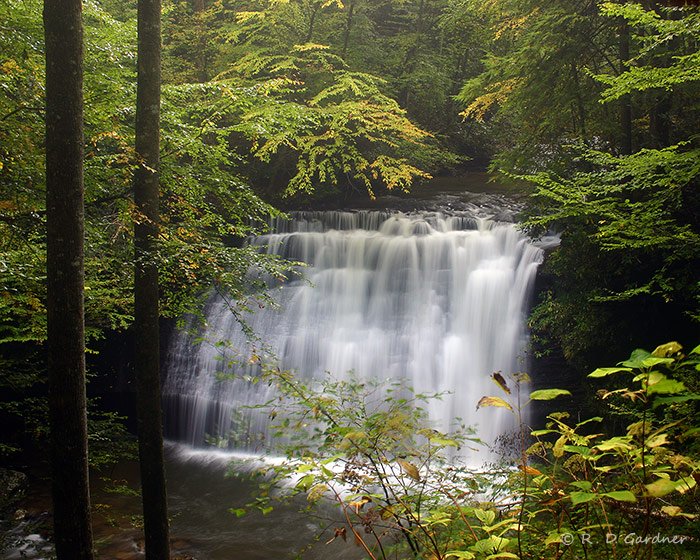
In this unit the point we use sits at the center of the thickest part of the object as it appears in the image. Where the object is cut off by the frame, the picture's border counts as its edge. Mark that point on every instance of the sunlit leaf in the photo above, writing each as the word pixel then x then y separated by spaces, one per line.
pixel 500 381
pixel 582 497
pixel 410 469
pixel 604 372
pixel 660 487
pixel 548 394
pixel 621 496
pixel 667 350
pixel 493 401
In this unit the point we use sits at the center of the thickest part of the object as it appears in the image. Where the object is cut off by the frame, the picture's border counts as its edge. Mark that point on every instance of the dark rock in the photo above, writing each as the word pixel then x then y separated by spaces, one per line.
pixel 14 488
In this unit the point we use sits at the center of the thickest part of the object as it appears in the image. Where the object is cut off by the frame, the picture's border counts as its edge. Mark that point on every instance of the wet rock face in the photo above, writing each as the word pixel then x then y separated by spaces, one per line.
pixel 14 487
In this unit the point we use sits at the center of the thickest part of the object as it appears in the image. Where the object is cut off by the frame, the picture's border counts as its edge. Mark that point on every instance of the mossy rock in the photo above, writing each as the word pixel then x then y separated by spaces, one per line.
pixel 14 487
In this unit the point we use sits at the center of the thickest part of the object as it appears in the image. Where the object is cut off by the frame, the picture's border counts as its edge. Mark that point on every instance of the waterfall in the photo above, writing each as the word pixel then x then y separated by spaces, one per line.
pixel 437 300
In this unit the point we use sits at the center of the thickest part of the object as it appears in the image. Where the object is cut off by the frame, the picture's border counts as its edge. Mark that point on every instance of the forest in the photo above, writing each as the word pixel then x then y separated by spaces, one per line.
pixel 201 198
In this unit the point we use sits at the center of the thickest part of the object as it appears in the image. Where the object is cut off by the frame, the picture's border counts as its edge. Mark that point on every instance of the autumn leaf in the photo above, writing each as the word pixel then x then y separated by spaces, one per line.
pixel 493 401
pixel 527 469
pixel 410 469
pixel 339 532
pixel 358 504
pixel 500 381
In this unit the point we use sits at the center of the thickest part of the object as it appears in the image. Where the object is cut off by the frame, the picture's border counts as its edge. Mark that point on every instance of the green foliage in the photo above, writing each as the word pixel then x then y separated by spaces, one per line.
pixel 535 90
pixel 207 206
pixel 614 494
pixel 631 234
pixel 368 448
pixel 400 492
pixel 334 126
pixel 629 223
pixel 654 67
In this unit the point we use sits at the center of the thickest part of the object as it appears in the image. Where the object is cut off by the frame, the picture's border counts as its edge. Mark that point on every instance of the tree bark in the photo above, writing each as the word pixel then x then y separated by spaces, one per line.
pixel 146 309
pixel 312 21
pixel 201 59
pixel 348 27
pixel 65 279
pixel 625 101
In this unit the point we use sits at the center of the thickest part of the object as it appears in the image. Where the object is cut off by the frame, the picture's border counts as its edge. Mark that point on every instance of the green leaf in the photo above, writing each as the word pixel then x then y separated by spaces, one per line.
pixel 548 394
pixel 604 372
pixel 305 482
pixel 491 545
pixel 460 554
pixel 553 538
pixel 486 516
pixel 537 433
pixel 493 401
pixel 579 449
pixel 636 358
pixel 620 442
pixel 582 484
pixel 666 386
pixel 594 419
pixel 660 487
pixel 621 496
pixel 654 361
pixel 685 483
pixel 666 350
pixel 238 512
pixel 582 497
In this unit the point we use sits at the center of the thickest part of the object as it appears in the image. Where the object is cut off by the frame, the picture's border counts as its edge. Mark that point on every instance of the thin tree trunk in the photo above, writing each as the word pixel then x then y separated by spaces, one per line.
pixel 65 278
pixel 312 22
pixel 146 311
pixel 580 106
pixel 625 101
pixel 348 26
pixel 202 71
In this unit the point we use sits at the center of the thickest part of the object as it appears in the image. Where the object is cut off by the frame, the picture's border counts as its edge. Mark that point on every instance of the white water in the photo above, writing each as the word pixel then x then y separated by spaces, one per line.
pixel 438 301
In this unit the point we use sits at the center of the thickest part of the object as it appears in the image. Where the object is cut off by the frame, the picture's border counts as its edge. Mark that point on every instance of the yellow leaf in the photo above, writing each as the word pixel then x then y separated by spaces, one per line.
pixel 660 487
pixel 667 350
pixel 500 381
pixel 410 469
pixel 527 469
pixel 671 511
pixel 493 401
pixel 357 504
pixel 558 449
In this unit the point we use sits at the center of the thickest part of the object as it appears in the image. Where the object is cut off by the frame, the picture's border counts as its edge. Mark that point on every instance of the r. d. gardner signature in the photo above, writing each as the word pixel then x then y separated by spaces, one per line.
pixel 626 539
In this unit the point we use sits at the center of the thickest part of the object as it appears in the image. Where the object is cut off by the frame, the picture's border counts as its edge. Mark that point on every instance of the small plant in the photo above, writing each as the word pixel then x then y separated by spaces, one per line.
pixel 584 492
pixel 399 490
pixel 627 493
pixel 397 484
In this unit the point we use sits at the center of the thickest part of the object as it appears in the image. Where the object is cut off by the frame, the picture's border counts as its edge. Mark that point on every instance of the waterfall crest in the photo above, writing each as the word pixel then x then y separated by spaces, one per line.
pixel 436 300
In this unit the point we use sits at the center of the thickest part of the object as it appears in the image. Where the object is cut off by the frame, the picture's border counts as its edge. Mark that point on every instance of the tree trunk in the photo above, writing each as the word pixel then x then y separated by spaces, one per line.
pixel 348 27
pixel 625 101
pixel 146 311
pixel 202 36
pixel 312 21
pixel 65 278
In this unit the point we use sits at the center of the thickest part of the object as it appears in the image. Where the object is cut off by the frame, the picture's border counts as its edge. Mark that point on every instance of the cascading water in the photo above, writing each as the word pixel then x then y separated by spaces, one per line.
pixel 436 300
